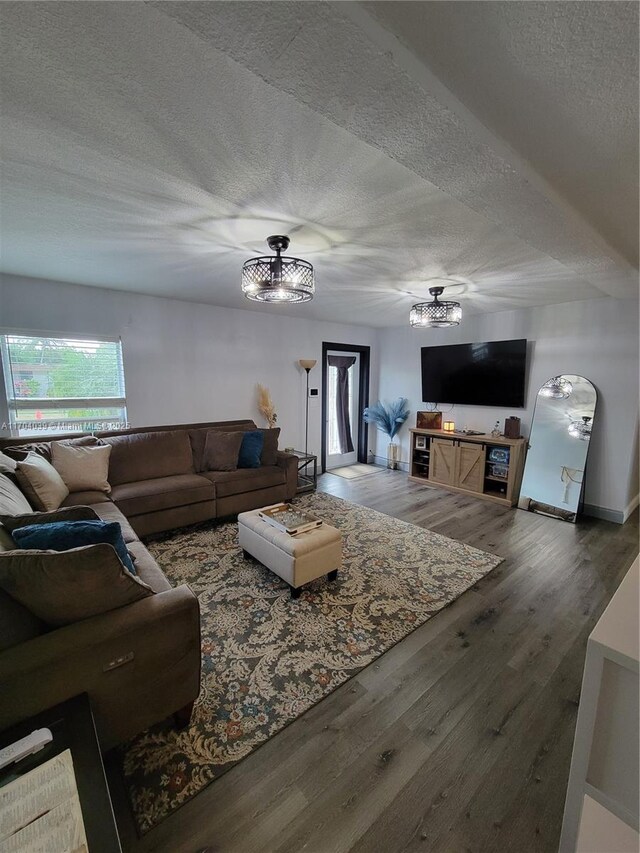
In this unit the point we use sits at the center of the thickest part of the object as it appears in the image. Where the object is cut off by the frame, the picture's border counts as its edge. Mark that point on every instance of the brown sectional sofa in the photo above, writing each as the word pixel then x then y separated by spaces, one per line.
pixel 156 484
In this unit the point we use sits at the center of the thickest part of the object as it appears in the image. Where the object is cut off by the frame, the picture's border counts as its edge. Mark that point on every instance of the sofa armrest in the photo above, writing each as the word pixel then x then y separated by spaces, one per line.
pixel 289 462
pixel 139 664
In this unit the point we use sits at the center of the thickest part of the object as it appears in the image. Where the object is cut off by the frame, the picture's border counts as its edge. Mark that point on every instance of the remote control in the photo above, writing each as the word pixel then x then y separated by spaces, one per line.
pixel 25 746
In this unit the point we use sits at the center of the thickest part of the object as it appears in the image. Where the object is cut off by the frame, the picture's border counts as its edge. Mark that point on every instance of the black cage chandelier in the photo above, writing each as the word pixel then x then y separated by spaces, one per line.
pixel 556 388
pixel 436 314
pixel 278 279
pixel 581 429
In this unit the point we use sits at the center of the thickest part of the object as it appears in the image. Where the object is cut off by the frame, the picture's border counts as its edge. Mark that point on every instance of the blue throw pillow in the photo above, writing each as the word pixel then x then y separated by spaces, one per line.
pixel 64 535
pixel 251 449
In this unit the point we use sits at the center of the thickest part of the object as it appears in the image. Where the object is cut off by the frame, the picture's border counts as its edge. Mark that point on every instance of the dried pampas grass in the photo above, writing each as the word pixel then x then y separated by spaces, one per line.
pixel 266 406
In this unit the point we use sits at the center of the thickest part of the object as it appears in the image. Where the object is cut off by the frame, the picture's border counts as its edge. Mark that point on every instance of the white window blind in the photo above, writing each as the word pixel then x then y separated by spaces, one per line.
pixel 56 384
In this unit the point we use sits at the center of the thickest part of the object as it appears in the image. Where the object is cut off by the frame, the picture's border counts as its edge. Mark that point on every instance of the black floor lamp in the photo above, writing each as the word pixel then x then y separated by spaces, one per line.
pixel 307 364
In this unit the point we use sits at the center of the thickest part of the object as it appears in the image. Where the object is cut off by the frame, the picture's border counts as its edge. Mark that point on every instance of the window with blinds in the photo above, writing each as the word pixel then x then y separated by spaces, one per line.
pixel 58 384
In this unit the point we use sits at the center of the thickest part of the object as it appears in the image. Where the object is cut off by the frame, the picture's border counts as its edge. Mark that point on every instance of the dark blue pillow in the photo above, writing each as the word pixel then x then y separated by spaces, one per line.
pixel 64 535
pixel 251 449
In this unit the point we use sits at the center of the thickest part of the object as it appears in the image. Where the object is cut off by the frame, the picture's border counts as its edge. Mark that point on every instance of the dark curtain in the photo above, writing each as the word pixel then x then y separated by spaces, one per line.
pixel 343 363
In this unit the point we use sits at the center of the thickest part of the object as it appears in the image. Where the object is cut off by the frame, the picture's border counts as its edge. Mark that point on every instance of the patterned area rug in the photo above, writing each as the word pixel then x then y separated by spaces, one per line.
pixel 267 659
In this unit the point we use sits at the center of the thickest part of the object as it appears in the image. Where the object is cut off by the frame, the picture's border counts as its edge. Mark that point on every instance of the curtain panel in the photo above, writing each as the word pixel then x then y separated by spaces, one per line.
pixel 343 363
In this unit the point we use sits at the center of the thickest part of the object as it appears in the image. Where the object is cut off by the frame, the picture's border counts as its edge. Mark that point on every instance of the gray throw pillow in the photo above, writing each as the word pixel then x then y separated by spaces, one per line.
pixel 61 587
pixel 43 486
pixel 221 450
pixel 43 448
pixel 269 454
pixel 82 468
pixel 7 464
pixel 12 501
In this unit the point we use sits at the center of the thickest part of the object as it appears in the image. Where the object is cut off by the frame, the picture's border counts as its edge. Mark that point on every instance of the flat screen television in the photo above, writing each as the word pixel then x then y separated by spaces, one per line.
pixel 485 374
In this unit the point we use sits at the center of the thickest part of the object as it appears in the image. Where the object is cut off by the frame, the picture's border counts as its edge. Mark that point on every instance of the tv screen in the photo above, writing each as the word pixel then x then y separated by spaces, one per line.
pixel 487 374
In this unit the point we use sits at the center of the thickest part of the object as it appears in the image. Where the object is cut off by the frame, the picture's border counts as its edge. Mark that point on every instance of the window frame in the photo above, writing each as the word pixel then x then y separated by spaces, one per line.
pixel 13 406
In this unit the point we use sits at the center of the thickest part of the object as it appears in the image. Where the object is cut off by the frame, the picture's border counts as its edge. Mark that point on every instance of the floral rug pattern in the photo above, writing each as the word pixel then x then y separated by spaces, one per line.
pixel 266 658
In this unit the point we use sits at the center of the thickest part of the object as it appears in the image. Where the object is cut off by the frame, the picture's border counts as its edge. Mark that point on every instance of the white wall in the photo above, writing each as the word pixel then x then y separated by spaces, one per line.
pixel 186 361
pixel 597 339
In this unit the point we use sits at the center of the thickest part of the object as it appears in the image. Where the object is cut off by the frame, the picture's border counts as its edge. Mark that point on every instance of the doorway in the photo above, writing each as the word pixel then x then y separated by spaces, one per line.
pixel 345 393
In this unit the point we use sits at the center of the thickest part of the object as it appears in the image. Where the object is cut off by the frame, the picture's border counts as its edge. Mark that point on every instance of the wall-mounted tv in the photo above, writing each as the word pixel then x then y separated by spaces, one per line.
pixel 485 374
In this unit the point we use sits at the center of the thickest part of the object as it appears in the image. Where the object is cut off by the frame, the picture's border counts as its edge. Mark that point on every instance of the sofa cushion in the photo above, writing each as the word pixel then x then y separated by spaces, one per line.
pixel 87 498
pixel 161 493
pixel 43 487
pixel 245 479
pixel 6 540
pixel 61 587
pixel 221 450
pixel 251 449
pixel 82 468
pixel 198 438
pixel 269 454
pixel 65 535
pixel 147 569
pixel 71 513
pixel 12 501
pixel 17 624
pixel 108 511
pixel 149 456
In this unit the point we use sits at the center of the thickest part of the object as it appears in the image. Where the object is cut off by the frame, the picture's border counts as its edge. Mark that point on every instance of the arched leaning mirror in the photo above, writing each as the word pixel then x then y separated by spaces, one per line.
pixel 553 478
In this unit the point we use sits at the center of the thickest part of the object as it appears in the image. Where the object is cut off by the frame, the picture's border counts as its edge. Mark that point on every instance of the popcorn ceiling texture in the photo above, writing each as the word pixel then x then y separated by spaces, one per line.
pixel 528 68
pixel 152 148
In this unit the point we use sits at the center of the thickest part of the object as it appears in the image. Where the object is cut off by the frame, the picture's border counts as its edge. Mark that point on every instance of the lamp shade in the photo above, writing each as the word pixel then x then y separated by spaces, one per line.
pixel 307 363
pixel 449 426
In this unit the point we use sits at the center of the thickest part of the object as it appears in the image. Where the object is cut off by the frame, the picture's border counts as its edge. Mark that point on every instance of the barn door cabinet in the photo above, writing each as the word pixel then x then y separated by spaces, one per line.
pixel 481 465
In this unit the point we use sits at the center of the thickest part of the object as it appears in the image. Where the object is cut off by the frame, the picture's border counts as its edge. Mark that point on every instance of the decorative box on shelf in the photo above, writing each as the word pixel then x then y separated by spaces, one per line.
pixel 429 420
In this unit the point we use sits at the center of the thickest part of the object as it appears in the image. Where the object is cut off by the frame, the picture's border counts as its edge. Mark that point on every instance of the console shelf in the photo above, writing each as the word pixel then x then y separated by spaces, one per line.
pixel 464 463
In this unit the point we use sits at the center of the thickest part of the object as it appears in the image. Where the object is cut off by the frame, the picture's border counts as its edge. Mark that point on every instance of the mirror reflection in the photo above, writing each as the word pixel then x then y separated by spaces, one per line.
pixel 553 478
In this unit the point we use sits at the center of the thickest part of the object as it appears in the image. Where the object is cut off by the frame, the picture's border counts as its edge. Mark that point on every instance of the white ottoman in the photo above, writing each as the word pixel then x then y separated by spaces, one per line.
pixel 296 559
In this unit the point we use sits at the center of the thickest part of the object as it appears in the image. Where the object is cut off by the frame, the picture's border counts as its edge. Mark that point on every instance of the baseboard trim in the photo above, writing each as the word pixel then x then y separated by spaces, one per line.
pixel 382 460
pixel 631 507
pixel 618 516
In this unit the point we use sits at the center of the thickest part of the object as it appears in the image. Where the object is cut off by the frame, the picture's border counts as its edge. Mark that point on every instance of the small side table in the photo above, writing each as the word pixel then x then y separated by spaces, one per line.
pixel 307 480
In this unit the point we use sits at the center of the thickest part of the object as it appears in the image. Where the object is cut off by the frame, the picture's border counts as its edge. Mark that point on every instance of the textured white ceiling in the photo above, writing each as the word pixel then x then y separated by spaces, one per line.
pixel 152 148
pixel 557 80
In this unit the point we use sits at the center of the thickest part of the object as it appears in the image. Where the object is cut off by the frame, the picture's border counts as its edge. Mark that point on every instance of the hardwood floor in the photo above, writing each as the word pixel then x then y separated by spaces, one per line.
pixel 457 739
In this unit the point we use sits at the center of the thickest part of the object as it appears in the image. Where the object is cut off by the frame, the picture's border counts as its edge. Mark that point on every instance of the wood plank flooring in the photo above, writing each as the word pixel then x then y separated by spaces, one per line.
pixel 459 738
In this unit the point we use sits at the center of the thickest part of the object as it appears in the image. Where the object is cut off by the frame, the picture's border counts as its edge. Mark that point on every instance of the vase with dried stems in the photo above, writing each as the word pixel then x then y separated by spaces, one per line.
pixel 266 406
pixel 389 418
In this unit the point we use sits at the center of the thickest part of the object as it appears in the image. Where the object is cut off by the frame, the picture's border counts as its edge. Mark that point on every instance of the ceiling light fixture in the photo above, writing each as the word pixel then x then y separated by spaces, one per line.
pixel 436 314
pixel 278 279
pixel 556 388
pixel 581 429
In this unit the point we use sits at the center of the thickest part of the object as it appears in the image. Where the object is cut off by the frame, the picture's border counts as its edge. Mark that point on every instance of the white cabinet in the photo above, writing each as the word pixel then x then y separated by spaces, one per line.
pixel 602 796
